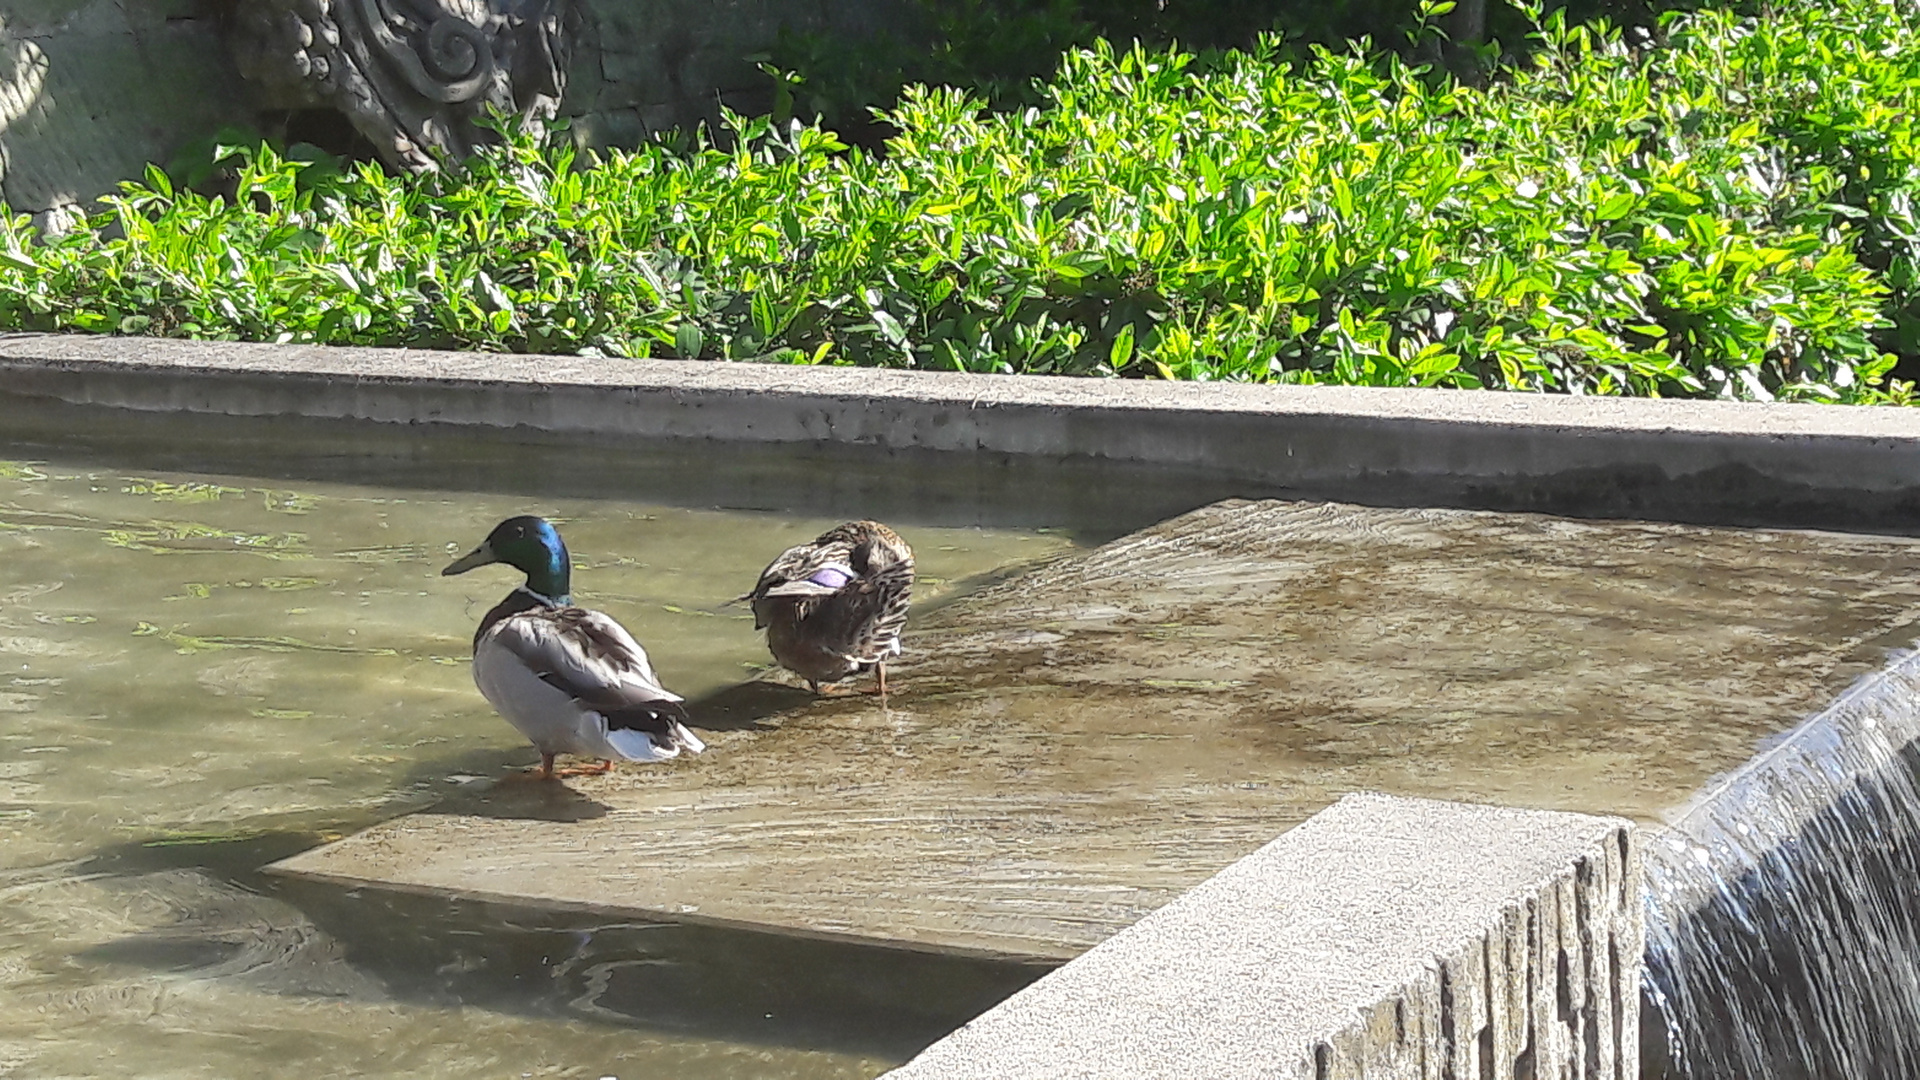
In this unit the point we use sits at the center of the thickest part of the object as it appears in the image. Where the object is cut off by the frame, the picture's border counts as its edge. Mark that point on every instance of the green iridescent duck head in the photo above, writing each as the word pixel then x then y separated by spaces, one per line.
pixel 530 545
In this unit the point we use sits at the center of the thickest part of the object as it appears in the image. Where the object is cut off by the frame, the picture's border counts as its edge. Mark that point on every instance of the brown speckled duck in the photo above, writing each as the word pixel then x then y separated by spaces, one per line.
pixel 835 607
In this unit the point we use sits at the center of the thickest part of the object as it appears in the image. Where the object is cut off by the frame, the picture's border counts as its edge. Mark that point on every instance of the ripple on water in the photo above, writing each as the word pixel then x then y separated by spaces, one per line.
pixel 16 645
pixel 215 678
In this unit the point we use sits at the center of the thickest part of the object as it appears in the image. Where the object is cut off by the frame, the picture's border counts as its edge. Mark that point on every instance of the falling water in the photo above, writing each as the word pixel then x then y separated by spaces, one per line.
pixel 1783 908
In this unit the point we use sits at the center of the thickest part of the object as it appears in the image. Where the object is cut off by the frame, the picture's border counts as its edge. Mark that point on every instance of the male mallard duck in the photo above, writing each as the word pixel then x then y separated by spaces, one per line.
pixel 572 681
pixel 835 606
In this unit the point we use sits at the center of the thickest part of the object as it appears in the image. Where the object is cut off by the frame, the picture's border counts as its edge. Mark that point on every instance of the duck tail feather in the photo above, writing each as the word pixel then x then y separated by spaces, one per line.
pixel 639 746
pixel 687 739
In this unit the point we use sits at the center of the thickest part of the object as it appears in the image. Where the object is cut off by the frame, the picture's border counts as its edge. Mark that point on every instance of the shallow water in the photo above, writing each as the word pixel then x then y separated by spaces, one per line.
pixel 202 672
pixel 1068 750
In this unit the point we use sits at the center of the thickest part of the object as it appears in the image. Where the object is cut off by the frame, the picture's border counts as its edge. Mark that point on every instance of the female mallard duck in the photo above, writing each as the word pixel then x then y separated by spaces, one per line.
pixel 835 607
pixel 572 681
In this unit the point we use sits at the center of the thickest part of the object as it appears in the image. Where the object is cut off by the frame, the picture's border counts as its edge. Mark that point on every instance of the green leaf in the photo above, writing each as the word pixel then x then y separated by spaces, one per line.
pixel 1121 352
pixel 689 340
pixel 1616 206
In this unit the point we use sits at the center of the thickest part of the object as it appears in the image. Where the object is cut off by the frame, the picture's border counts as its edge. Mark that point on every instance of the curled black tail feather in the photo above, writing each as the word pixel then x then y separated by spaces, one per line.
pixel 654 718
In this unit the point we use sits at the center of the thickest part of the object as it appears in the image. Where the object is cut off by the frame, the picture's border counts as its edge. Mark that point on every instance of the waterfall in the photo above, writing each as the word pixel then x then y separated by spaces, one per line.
pixel 1783 906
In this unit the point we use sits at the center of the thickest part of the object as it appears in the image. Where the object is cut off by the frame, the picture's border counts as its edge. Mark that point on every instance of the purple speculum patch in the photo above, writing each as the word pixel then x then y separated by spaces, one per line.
pixel 832 577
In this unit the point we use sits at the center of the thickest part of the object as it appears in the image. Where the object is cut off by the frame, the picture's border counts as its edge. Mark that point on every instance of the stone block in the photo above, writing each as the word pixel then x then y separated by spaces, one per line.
pixel 1383 938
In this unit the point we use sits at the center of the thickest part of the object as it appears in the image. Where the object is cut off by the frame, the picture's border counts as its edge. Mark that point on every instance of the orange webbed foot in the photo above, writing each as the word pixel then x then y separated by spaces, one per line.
pixel 879 687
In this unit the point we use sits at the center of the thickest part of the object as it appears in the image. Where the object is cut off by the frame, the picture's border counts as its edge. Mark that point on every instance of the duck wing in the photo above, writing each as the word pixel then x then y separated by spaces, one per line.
pixel 591 658
pixel 803 572
pixel 870 616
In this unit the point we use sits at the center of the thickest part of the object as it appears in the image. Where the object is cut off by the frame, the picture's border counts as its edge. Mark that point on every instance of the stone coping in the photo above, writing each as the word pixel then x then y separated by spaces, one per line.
pixel 1545 411
pixel 1708 461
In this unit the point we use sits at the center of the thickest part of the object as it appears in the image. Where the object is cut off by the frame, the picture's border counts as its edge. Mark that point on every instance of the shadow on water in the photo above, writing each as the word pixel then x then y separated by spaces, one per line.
pixel 1784 911
pixel 1091 501
pixel 524 798
pixel 744 707
pixel 727 984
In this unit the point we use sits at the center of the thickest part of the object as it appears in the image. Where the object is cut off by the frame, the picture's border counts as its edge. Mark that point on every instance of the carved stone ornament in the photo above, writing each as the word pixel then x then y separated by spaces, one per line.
pixel 412 75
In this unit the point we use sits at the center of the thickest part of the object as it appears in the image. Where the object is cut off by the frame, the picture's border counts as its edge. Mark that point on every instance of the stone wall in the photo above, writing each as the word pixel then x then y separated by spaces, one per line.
pixel 93 90
pixel 652 65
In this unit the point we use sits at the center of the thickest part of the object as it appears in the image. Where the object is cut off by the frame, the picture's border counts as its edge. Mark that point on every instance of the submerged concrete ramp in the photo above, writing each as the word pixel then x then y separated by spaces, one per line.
pixel 1386 938
pixel 1074 748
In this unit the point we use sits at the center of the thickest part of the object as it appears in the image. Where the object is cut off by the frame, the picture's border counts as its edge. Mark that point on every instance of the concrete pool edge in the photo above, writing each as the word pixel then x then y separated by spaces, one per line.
pixel 1688 460
pixel 1383 936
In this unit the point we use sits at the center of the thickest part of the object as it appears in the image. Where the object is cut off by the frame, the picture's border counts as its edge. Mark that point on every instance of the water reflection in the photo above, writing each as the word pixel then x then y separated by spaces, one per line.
pixel 200 673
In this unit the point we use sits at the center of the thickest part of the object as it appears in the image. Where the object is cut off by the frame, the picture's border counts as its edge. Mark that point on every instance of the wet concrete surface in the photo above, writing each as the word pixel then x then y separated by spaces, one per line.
pixel 1070 749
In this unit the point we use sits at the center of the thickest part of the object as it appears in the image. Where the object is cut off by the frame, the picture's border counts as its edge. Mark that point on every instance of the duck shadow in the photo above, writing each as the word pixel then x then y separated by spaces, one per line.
pixel 521 797
pixel 493 783
pixel 746 706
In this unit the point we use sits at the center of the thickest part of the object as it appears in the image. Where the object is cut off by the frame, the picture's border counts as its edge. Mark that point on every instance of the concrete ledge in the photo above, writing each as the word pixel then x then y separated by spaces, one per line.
pixel 1698 461
pixel 1384 937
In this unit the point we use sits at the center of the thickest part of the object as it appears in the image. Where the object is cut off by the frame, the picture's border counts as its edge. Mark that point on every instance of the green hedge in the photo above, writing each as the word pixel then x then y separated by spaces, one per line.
pixel 1729 214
